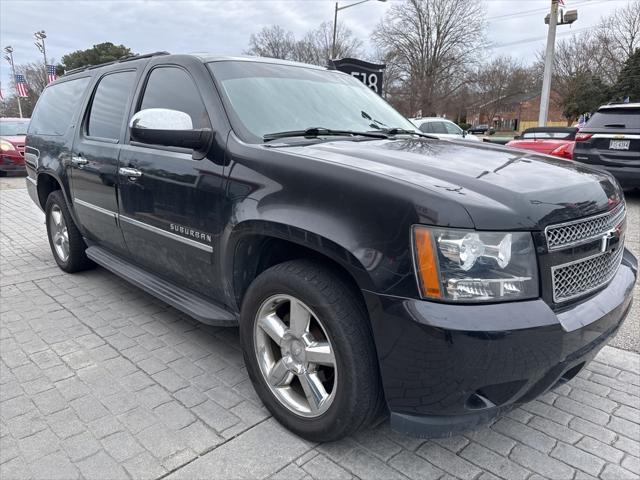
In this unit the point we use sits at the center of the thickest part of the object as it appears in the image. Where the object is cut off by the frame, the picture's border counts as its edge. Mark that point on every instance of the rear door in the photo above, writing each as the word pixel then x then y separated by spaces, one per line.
pixel 94 161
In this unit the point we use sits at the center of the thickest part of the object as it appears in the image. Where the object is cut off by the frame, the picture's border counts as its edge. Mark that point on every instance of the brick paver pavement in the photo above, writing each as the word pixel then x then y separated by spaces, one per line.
pixel 100 380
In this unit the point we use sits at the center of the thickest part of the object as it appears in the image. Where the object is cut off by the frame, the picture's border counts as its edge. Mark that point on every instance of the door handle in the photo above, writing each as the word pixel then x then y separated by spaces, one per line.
pixel 130 173
pixel 78 160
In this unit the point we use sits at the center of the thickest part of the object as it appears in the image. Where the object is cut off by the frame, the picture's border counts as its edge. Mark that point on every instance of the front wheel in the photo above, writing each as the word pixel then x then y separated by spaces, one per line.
pixel 309 350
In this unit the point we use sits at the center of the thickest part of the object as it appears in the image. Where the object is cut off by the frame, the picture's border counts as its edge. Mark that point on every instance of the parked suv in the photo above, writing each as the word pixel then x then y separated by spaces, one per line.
pixel 367 265
pixel 611 141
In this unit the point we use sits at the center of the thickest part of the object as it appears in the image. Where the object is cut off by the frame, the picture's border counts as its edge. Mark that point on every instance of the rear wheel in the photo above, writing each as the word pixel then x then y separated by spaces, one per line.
pixel 65 239
pixel 309 351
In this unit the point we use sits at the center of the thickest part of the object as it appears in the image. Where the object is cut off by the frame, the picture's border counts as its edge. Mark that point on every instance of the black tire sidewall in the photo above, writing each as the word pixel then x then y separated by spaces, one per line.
pixel 350 407
pixel 77 259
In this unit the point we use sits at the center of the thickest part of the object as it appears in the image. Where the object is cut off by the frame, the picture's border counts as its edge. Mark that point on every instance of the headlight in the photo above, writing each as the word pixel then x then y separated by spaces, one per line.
pixel 472 266
pixel 6 146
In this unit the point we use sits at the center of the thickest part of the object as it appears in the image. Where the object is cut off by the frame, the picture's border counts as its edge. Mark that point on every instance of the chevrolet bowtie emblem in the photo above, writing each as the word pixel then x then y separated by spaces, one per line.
pixel 609 240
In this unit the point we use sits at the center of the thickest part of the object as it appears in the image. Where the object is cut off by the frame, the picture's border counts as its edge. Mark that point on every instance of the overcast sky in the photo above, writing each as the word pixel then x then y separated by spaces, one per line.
pixel 515 27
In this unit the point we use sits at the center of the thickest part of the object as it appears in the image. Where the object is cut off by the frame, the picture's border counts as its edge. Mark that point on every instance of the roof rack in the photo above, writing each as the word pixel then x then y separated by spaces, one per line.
pixel 127 58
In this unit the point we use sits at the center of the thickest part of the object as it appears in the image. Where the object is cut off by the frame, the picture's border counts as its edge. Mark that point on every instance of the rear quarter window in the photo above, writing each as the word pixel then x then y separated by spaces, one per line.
pixel 57 104
pixel 616 118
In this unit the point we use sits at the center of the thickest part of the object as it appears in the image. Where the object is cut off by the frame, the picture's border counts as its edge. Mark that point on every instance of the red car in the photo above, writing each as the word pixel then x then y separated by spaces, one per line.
pixel 12 134
pixel 558 141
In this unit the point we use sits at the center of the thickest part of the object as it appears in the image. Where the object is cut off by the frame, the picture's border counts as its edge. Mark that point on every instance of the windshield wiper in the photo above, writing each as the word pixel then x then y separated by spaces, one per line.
pixel 404 131
pixel 315 132
pixel 615 125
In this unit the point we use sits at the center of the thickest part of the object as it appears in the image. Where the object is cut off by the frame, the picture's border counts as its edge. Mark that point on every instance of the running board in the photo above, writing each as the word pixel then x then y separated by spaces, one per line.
pixel 190 303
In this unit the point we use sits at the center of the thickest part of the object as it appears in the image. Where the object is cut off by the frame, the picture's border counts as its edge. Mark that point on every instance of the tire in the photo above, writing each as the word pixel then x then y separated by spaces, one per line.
pixel 65 236
pixel 337 320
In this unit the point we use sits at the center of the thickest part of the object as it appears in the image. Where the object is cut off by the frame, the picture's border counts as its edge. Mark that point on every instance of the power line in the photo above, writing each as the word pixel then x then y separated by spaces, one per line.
pixel 527 13
pixel 536 39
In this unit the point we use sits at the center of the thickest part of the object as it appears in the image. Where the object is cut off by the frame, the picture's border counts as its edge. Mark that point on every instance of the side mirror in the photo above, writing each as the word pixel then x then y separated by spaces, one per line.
pixel 464 133
pixel 171 128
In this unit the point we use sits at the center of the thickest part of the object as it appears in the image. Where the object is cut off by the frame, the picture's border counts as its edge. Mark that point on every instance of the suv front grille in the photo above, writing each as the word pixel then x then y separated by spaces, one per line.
pixel 582 276
pixel 573 233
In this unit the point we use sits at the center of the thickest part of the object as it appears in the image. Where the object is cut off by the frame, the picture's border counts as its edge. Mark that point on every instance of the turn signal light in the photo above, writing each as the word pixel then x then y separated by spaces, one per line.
pixel 426 263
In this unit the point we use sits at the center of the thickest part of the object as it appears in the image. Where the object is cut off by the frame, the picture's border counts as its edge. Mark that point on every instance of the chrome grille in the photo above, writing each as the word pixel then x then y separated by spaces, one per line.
pixel 584 230
pixel 582 276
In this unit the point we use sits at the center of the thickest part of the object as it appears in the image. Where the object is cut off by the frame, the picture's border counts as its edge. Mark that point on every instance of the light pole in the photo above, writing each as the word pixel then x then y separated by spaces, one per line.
pixel 552 19
pixel 335 23
pixel 40 36
pixel 9 58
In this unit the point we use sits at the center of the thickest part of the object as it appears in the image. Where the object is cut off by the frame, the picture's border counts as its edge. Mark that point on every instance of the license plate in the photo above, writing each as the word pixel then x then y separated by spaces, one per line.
pixel 619 144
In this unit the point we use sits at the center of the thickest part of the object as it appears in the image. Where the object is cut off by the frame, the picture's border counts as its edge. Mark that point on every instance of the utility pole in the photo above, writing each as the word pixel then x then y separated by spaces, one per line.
pixel 9 58
pixel 552 19
pixel 40 36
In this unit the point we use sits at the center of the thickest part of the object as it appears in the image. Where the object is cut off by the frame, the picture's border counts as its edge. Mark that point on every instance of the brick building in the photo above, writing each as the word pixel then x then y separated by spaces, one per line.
pixel 517 112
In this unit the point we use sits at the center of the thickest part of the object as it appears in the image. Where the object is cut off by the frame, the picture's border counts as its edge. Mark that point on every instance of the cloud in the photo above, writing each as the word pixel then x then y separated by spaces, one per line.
pixel 224 26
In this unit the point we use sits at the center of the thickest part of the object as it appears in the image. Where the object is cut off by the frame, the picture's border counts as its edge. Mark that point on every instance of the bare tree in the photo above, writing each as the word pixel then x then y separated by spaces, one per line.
pixel 315 47
pixel 497 82
pixel 618 36
pixel 272 41
pixel 434 44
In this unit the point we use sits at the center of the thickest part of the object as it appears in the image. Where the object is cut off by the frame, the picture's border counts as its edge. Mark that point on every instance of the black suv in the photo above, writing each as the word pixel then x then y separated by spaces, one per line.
pixel 366 264
pixel 611 141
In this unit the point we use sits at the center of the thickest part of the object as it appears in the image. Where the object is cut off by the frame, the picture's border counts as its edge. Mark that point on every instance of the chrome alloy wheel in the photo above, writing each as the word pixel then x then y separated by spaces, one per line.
pixel 59 233
pixel 295 355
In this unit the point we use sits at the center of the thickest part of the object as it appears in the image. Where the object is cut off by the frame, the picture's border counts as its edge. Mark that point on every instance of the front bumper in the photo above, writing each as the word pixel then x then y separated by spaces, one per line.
pixel 447 368
pixel 11 163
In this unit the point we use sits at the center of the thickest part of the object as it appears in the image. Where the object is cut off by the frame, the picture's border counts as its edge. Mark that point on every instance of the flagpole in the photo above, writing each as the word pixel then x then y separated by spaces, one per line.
pixel 9 50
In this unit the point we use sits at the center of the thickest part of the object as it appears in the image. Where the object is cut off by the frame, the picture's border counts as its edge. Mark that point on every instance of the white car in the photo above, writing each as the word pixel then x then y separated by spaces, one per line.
pixel 442 128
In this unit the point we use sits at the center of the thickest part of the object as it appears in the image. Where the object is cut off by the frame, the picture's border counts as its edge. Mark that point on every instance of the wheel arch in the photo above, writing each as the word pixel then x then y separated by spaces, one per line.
pixel 47 183
pixel 257 245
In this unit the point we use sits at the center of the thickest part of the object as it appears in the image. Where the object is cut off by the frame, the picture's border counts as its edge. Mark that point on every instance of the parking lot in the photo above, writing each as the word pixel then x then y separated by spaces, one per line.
pixel 100 380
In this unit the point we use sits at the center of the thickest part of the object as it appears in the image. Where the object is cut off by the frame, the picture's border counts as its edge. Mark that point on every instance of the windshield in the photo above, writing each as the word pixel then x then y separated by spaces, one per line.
pixel 268 98
pixel 19 127
pixel 549 135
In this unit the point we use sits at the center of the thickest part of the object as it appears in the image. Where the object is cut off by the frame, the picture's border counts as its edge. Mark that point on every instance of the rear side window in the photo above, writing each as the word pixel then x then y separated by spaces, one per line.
pixel 56 107
pixel 173 88
pixel 110 104
pixel 433 127
pixel 616 118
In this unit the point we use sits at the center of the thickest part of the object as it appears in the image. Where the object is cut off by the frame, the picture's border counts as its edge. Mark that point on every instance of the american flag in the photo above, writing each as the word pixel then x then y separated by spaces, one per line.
pixel 21 86
pixel 51 73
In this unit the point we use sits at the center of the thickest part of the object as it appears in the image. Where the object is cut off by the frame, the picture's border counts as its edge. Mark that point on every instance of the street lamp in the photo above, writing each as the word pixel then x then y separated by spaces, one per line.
pixel 9 58
pixel 40 36
pixel 335 23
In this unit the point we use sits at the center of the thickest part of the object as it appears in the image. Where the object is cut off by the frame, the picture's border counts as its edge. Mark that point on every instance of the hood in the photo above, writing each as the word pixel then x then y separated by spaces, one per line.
pixel 14 139
pixel 500 188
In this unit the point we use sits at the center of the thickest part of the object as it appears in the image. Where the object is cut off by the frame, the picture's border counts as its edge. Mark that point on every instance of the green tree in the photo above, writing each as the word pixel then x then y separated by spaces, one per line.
pixel 628 83
pixel 100 53
pixel 585 93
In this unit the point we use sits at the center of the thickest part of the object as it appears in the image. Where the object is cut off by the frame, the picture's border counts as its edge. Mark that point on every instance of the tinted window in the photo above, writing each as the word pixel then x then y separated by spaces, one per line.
pixel 438 127
pixel 109 105
pixel 56 106
pixel 427 127
pixel 173 88
pixel 625 118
